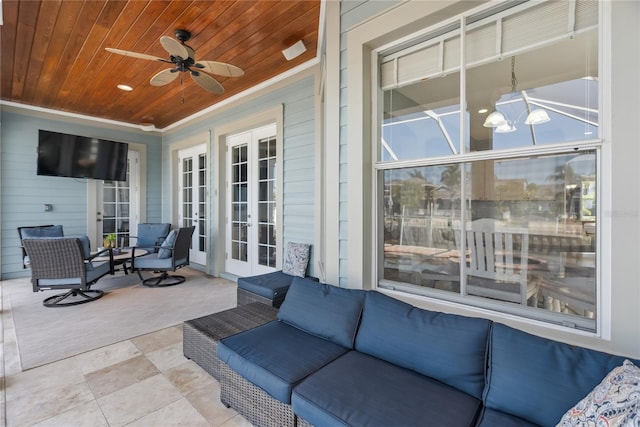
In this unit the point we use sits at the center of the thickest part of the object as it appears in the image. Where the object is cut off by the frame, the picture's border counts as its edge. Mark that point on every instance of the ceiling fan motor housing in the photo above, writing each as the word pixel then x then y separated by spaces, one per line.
pixel 182 35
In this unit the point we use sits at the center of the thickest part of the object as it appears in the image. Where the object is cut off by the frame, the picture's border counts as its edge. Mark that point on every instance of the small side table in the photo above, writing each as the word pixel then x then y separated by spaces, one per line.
pixel 122 257
pixel 201 335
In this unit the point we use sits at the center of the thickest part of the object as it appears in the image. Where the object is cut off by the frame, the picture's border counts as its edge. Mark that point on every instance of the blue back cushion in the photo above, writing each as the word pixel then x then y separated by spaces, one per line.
pixel 168 243
pixel 38 232
pixel 150 235
pixel 539 379
pixel 86 245
pixel 450 348
pixel 323 310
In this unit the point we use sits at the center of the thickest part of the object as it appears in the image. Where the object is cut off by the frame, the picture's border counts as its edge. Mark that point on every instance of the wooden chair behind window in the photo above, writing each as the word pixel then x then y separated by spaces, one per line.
pixel 497 261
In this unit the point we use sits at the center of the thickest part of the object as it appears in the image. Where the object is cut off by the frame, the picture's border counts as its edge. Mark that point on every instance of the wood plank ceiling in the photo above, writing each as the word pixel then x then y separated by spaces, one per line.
pixel 53 52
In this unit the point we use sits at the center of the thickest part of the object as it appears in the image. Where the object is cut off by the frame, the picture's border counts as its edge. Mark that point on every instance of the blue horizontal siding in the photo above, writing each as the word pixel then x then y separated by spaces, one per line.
pixel 24 193
pixel 298 162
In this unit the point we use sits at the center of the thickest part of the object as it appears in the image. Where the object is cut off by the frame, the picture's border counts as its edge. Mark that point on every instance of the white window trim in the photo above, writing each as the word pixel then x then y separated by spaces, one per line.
pixel 363 42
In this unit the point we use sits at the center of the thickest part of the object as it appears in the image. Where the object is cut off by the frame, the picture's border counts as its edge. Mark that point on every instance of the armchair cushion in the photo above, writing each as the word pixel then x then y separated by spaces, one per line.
pixel 153 262
pixel 38 232
pixel 166 249
pixel 151 235
pixel 86 245
pixel 96 269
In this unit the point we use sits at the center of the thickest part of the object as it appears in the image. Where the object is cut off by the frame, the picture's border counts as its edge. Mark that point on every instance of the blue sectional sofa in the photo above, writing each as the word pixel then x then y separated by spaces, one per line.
pixel 339 357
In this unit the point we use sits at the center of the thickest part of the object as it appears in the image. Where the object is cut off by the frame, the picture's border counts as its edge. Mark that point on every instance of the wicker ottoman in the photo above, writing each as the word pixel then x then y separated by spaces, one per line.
pixel 201 335
pixel 269 288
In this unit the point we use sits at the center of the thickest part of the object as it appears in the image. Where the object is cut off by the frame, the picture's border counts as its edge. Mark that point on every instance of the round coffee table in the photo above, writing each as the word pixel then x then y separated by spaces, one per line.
pixel 122 257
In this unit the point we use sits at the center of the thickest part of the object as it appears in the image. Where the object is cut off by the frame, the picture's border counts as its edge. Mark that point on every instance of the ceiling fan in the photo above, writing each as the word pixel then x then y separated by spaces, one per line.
pixel 183 59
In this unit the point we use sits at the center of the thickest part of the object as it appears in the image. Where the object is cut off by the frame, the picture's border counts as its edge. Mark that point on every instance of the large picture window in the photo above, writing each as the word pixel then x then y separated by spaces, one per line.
pixel 494 205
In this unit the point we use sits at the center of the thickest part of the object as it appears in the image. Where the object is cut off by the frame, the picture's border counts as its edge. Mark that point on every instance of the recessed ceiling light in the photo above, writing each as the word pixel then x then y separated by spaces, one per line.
pixel 126 88
pixel 482 111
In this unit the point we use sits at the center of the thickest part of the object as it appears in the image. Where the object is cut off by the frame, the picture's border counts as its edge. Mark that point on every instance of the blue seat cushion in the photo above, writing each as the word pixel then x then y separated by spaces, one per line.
pixel 97 270
pixel 323 310
pixel 359 390
pixel 270 285
pixel 276 356
pixel 153 262
pixel 447 347
pixel 492 418
pixel 538 379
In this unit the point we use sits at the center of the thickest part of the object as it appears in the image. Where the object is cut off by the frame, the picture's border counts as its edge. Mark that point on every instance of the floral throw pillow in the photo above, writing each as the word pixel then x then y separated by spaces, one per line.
pixel 615 402
pixel 296 260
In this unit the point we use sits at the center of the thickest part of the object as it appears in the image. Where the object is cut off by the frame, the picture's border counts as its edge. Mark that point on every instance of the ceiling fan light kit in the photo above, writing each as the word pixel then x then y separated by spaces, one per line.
pixel 182 57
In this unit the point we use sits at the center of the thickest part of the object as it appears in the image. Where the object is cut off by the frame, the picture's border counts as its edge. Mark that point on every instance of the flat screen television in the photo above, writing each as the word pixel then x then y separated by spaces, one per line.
pixel 60 154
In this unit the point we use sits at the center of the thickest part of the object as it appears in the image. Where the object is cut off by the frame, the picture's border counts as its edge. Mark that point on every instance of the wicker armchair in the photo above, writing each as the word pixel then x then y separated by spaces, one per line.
pixel 36 232
pixel 171 255
pixel 65 263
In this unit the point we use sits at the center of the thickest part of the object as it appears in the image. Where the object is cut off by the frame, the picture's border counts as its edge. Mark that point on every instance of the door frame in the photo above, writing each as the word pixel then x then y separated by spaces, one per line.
pixel 251 139
pixel 92 194
pixel 200 138
pixel 218 184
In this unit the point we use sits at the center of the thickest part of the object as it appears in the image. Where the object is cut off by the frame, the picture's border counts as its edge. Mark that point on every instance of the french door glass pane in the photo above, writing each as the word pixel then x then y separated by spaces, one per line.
pixel 266 202
pixel 202 203
pixel 239 203
pixel 115 216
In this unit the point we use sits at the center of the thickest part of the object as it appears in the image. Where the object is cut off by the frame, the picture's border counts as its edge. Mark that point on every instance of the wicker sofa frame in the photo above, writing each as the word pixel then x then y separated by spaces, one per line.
pixel 253 403
pixel 201 335
pixel 246 297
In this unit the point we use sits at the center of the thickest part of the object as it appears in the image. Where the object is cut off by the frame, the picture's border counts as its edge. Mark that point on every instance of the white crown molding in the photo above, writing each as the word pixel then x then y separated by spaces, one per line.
pixel 136 127
pixel 249 92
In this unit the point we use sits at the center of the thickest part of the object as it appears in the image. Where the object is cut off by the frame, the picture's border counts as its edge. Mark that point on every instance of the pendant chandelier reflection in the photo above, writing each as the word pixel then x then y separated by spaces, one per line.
pixel 499 122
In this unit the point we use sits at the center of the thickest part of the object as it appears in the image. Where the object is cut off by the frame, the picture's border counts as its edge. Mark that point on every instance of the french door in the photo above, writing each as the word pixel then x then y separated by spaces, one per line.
pixel 251 202
pixel 117 204
pixel 193 195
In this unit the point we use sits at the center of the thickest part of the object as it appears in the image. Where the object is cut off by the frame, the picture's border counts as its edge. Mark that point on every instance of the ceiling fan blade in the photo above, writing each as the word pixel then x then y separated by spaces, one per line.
pixel 174 47
pixel 220 68
pixel 163 77
pixel 207 82
pixel 135 54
